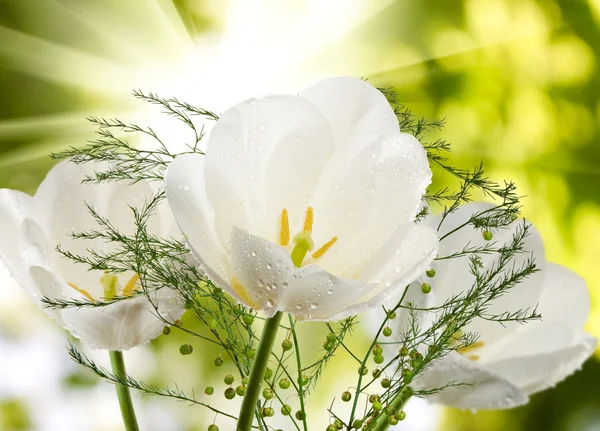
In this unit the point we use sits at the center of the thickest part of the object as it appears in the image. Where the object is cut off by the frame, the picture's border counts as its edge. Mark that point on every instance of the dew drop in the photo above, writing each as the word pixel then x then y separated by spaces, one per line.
pixel 313 306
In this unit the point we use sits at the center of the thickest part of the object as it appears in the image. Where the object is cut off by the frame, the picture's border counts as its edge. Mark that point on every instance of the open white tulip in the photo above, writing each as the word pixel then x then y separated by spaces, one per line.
pixel 306 204
pixel 32 227
pixel 508 363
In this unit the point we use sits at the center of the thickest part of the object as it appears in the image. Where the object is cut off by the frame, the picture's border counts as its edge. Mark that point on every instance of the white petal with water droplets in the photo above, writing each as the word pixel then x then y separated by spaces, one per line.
pixel 264 270
pixel 318 295
pixel 484 390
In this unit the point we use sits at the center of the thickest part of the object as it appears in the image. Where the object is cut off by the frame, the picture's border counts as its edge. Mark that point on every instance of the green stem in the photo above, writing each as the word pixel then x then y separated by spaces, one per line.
pixel 381 423
pixel 257 372
pixel 127 411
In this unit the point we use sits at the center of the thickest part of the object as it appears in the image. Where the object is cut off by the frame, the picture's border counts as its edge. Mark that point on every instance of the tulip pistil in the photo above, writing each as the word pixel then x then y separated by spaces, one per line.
pixel 303 242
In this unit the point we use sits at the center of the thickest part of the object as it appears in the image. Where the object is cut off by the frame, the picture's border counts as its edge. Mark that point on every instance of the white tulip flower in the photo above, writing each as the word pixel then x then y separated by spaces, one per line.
pixel 508 362
pixel 32 227
pixel 306 204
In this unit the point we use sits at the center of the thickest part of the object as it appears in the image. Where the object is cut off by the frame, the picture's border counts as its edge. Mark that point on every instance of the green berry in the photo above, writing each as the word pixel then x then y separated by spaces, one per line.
pixel 363 371
pixel 331 338
pixel 389 410
pixel 426 288
pixel 357 424
pixel 245 381
pixel 385 383
pixel 251 353
pixel 186 349
pixel 376 373
pixel 213 427
pixel 393 420
pixel 284 383
pixel 328 346
pixel 373 398
pixel 218 361
pixel 213 324
pixel 303 380
pixel 166 330
pixel 401 416
pixel 267 394
pixel 430 273
pixel 209 390
pixel 286 345
pixel 248 319
pixel 331 427
pixel 487 235
pixel 286 410
pixel 377 350
pixel 269 412
pixel 346 396
pixel 403 351
pixel 300 415
pixel 240 390
pixel 387 331
pixel 230 393
pixel 377 406
pixel 228 379
pixel 268 373
pixel 378 359
pixel 391 315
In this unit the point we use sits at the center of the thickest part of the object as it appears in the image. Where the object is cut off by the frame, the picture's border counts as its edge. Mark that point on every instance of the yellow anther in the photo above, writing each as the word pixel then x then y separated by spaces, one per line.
pixel 321 251
pixel 470 348
pixel 284 230
pixel 131 286
pixel 308 220
pixel 82 291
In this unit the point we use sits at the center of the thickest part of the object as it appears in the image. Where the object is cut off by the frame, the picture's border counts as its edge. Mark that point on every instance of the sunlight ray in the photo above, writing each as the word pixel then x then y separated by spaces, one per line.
pixel 58 63
pixel 68 123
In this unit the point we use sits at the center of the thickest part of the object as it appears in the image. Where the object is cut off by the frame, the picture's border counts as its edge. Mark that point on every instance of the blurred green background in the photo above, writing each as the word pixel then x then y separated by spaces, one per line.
pixel 516 80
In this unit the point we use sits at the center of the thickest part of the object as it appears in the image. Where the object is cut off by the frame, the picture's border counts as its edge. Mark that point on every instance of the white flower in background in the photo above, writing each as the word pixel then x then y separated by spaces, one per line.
pixel 306 204
pixel 32 227
pixel 506 364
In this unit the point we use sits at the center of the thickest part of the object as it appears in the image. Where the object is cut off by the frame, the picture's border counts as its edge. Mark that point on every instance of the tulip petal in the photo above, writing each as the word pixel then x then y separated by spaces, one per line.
pixel 125 324
pixel 14 206
pixel 263 156
pixel 186 194
pixel 522 296
pixel 263 269
pixel 357 112
pixel 537 370
pixel 401 260
pixel 402 176
pixel 487 390
pixel 565 297
pixel 318 295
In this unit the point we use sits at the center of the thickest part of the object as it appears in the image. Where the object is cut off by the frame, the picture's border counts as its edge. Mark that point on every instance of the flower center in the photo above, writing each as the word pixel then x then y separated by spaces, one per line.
pixel 110 285
pixel 303 242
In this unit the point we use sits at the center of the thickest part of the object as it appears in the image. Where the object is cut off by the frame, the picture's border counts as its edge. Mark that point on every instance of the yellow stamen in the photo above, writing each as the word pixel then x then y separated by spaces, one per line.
pixel 82 291
pixel 469 348
pixel 321 251
pixel 284 231
pixel 131 286
pixel 241 292
pixel 308 220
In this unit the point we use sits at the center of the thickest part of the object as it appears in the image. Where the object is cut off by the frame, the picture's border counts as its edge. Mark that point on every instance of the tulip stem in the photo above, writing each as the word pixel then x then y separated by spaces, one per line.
pixel 123 394
pixel 257 372
pixel 381 423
